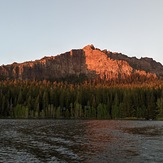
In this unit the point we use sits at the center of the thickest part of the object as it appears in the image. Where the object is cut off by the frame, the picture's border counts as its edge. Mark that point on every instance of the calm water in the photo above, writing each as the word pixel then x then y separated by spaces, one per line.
pixel 38 141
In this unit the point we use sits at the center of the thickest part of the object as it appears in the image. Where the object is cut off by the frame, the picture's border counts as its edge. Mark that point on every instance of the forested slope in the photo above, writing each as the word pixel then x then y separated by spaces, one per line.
pixel 88 100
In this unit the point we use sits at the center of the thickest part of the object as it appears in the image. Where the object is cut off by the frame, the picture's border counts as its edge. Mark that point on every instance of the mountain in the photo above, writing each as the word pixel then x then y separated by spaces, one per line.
pixel 86 63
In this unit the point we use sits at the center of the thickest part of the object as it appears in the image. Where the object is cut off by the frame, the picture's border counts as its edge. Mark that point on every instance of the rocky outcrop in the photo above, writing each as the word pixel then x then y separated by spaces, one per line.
pixel 89 61
pixel 146 64
pixel 49 68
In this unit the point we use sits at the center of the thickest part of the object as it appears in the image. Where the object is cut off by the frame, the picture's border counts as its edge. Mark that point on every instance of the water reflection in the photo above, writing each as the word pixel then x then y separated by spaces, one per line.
pixel 146 131
pixel 80 141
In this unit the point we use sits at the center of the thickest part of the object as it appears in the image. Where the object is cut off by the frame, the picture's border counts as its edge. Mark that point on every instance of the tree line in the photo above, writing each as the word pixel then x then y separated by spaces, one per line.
pixel 87 100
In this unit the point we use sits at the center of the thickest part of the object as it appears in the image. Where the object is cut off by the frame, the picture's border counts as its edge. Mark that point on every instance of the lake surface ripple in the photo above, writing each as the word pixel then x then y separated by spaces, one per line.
pixel 88 141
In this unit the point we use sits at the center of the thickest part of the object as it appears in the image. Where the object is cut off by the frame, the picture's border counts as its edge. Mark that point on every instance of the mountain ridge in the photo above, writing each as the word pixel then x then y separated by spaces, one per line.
pixel 88 62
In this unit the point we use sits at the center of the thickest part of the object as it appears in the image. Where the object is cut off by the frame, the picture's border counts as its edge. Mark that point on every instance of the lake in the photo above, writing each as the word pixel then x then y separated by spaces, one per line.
pixel 88 141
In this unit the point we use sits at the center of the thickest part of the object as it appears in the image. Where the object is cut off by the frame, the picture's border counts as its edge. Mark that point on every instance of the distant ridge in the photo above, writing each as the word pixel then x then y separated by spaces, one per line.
pixel 87 63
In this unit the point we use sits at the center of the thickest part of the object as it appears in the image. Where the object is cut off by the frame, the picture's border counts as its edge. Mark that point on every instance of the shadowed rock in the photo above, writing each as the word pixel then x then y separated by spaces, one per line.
pixel 89 62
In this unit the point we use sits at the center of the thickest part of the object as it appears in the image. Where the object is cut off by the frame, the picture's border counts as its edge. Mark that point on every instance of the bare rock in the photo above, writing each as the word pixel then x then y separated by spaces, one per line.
pixel 89 61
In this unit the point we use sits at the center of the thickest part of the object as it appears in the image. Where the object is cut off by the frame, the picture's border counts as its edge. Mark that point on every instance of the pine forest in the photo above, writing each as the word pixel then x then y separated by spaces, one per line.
pixel 86 100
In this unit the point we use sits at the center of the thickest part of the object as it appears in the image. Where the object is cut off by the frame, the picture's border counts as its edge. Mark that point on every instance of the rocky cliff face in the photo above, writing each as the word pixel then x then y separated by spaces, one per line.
pixel 89 61
pixel 146 64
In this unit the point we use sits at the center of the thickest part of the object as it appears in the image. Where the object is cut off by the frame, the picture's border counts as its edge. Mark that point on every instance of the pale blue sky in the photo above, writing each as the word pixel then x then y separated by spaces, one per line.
pixel 32 29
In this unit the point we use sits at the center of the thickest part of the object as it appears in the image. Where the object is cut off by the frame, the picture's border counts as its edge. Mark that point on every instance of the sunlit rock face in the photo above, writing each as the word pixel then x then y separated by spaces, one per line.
pixel 104 66
pixel 89 61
